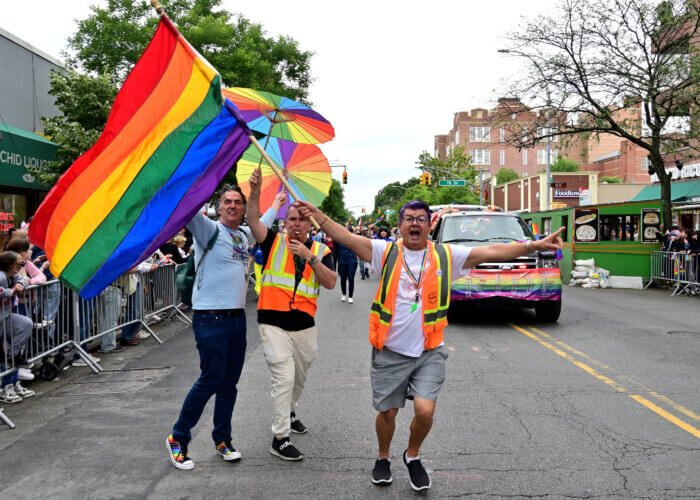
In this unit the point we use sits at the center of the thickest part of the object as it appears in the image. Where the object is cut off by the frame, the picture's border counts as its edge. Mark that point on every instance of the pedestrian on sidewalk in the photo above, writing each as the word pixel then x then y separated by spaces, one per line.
pixel 407 319
pixel 295 267
pixel 218 323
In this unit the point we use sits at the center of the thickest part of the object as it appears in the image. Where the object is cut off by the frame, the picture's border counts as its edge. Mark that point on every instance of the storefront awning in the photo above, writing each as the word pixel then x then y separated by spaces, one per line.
pixel 680 191
pixel 18 149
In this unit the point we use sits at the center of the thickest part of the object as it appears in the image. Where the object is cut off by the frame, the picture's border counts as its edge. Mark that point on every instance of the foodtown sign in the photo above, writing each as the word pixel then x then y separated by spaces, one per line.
pixel 687 172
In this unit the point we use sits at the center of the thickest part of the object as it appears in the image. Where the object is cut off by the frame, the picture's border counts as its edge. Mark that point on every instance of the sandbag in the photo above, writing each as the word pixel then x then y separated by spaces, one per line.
pixel 585 262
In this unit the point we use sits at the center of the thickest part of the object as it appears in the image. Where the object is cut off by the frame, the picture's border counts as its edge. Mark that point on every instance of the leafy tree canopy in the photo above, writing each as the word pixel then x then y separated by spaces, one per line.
pixel 563 164
pixel 334 204
pixel 506 175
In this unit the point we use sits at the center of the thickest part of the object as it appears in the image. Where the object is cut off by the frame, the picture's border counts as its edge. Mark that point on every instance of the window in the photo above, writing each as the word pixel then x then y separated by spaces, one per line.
pixel 547 226
pixel 542 156
pixel 503 156
pixel 480 134
pixel 619 228
pixel 547 130
pixel 512 117
pixel 524 156
pixel 503 134
pixel 565 224
pixel 480 156
pixel 646 164
pixel 524 173
pixel 524 134
pixel 457 136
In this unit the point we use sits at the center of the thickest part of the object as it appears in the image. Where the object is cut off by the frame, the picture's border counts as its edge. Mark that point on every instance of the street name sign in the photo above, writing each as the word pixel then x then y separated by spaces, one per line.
pixel 452 182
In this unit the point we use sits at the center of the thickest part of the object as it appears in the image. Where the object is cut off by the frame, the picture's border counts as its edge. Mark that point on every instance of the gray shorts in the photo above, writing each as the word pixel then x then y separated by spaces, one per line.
pixel 396 377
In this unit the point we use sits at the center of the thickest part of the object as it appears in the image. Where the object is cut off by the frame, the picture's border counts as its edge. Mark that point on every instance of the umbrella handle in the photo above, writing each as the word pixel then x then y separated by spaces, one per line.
pixel 278 173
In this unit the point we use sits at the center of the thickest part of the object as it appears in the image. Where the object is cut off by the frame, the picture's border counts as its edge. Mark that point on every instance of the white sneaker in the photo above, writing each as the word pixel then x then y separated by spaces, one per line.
pixel 350 301
pixel 342 298
pixel 8 395
pixel 23 392
pixel 142 335
pixel 25 374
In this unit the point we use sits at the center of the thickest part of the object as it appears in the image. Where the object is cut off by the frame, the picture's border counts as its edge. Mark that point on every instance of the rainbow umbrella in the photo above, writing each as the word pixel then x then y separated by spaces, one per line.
pixel 280 117
pixel 304 167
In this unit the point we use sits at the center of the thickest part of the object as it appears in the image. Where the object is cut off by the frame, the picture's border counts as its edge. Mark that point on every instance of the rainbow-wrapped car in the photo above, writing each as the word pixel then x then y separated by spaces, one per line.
pixel 531 281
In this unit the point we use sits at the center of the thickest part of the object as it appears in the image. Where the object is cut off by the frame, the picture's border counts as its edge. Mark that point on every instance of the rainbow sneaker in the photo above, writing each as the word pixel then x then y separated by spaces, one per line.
pixel 226 450
pixel 178 454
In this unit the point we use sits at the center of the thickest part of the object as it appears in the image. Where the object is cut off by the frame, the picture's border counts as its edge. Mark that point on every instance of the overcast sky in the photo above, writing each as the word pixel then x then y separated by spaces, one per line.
pixel 388 74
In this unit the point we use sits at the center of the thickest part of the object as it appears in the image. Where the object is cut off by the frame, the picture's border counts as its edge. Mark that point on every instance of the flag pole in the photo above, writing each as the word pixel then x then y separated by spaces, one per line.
pixel 278 172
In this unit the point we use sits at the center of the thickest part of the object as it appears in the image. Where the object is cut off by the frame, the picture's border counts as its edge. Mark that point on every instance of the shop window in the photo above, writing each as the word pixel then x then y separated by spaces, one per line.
pixel 547 226
pixel 619 228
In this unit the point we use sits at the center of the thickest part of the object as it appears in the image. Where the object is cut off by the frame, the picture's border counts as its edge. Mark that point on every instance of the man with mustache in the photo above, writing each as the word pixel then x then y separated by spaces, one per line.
pixel 295 267
pixel 407 320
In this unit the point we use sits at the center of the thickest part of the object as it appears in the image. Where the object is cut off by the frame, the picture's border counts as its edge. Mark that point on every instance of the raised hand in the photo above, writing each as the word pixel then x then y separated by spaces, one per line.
pixel 307 210
pixel 255 181
pixel 552 242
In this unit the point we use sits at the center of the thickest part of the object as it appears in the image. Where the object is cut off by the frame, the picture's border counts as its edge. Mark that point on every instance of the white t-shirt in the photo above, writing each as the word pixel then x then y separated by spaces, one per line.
pixel 405 334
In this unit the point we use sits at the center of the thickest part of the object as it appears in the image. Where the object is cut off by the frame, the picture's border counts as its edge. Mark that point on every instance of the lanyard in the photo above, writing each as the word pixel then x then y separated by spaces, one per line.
pixel 418 281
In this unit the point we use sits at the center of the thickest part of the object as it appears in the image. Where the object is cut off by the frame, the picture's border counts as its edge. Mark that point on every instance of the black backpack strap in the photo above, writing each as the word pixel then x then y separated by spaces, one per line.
pixel 209 246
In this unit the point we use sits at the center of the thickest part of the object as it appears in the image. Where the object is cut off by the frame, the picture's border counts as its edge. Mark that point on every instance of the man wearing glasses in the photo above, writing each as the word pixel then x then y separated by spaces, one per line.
pixel 407 319
pixel 219 323
pixel 295 267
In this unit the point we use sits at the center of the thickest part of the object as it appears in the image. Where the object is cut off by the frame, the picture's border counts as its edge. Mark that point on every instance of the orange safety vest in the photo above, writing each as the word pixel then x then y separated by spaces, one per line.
pixel 277 291
pixel 435 292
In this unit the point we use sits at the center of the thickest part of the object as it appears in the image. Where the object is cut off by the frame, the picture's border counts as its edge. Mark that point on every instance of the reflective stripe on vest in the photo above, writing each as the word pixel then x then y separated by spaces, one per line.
pixel 391 256
pixel 432 316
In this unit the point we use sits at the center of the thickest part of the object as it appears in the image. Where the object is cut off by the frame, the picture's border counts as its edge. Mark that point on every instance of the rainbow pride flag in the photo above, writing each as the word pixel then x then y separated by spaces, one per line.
pixel 168 142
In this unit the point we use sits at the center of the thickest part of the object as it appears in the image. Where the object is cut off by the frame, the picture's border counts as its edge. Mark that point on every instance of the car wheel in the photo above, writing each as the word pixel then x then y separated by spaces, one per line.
pixel 548 312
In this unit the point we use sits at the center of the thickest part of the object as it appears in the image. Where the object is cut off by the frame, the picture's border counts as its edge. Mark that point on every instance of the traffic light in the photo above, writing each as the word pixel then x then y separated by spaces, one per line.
pixel 428 180
pixel 679 165
pixel 345 177
pixel 422 179
pixel 363 210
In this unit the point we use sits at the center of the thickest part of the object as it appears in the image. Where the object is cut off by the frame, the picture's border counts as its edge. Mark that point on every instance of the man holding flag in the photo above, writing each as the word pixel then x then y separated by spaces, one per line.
pixel 295 268
pixel 407 320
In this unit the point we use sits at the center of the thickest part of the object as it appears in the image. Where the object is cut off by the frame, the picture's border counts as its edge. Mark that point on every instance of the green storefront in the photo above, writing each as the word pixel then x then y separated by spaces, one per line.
pixel 619 236
pixel 20 193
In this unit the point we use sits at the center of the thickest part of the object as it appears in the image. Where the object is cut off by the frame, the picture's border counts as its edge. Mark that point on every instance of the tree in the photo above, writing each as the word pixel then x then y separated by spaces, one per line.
pixel 623 67
pixel 334 204
pixel 609 180
pixel 456 165
pixel 84 102
pixel 506 175
pixel 564 164
pixel 113 38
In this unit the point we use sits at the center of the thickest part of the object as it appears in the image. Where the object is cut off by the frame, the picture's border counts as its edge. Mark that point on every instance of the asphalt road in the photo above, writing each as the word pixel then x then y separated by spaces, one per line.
pixel 604 403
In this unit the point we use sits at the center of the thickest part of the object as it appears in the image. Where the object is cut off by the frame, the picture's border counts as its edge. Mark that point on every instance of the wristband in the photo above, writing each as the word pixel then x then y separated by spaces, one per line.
pixel 322 223
pixel 528 244
pixel 312 260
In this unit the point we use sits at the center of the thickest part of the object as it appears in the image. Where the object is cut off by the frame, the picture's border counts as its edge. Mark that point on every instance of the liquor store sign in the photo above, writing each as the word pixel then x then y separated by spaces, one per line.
pixel 18 152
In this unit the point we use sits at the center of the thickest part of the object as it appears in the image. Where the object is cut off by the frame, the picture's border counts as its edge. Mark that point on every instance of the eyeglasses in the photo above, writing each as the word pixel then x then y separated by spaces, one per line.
pixel 421 219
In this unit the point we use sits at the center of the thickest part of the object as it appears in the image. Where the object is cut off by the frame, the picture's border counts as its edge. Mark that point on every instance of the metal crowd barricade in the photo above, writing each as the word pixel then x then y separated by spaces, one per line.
pixel 63 323
pixel 677 270
pixel 161 295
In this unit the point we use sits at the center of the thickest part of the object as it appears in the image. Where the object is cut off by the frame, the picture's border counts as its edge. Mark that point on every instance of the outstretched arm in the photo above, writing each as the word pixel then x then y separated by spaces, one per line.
pixel 507 251
pixel 359 244
pixel 252 212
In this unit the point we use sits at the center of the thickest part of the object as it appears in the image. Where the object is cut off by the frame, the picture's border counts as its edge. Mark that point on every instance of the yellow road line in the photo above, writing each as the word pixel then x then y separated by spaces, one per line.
pixel 573 360
pixel 650 392
pixel 641 400
pixel 671 418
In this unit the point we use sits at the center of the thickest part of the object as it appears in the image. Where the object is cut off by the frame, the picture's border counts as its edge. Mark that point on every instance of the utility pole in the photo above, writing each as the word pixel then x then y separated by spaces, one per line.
pixel 549 152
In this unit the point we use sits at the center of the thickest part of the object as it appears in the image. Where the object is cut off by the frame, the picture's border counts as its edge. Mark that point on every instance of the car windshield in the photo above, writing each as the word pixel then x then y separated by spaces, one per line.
pixel 484 228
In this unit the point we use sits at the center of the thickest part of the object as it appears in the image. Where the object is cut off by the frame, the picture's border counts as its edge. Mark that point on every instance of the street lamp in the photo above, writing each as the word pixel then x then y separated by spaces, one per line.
pixel 549 128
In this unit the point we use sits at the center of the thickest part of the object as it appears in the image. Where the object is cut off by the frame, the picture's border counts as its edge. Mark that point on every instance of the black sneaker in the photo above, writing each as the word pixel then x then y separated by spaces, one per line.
pixel 284 449
pixel 381 474
pixel 226 450
pixel 178 454
pixel 419 478
pixel 297 426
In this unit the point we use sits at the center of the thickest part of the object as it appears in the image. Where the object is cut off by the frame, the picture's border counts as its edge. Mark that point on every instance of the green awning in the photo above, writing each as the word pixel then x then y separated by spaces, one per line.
pixel 19 148
pixel 680 191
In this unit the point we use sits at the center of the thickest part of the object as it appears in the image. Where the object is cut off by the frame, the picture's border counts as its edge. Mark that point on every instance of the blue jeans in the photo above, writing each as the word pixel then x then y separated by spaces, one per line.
pixel 221 342
pixel 132 312
pixel 86 313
